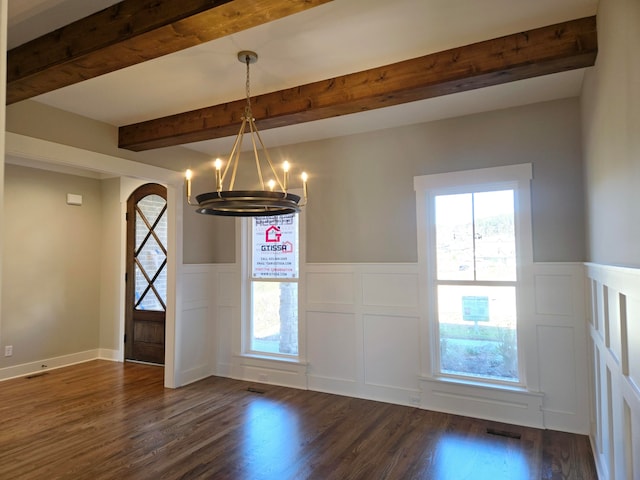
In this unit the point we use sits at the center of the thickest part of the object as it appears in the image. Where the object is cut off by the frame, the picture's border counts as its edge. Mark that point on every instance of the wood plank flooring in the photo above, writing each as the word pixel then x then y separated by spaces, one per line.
pixel 105 420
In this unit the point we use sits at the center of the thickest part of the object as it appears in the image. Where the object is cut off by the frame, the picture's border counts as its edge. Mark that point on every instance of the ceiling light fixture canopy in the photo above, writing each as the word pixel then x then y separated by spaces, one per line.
pixel 272 199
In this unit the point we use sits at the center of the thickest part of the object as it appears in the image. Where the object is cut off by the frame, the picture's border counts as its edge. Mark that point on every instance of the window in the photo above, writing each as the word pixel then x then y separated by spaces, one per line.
pixel 150 263
pixel 474 240
pixel 273 286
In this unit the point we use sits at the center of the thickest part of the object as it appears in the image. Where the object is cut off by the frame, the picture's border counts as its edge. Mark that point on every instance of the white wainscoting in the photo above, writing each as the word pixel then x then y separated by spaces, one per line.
pixel 226 290
pixel 560 320
pixel 363 332
pixel 362 338
pixel 196 339
pixel 615 370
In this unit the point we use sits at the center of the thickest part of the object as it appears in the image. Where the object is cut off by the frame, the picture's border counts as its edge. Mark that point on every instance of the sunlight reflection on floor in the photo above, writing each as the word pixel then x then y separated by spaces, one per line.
pixel 477 459
pixel 271 440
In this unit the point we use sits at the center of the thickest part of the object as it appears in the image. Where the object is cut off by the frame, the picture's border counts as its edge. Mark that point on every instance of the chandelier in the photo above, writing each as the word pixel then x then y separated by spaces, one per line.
pixel 273 197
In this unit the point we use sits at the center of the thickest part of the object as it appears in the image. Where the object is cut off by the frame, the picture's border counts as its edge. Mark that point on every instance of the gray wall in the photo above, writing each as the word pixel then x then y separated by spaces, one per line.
pixel 208 240
pixel 362 203
pixel 611 122
pixel 51 265
pixel 48 123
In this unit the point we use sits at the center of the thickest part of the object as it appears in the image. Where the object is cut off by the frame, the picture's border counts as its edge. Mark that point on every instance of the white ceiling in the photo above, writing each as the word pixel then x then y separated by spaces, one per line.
pixel 337 38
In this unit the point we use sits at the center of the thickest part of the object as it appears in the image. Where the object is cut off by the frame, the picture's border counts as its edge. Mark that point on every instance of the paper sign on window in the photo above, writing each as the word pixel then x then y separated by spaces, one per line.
pixel 475 308
pixel 275 244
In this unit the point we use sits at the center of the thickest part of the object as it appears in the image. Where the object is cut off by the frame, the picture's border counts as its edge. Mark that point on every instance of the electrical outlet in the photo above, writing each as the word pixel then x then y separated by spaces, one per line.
pixel 262 377
pixel 414 400
pixel 8 350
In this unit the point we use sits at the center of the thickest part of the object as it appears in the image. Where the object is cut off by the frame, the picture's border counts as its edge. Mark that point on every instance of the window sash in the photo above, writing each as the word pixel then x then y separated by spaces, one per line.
pixel 249 346
pixel 427 187
pixel 481 348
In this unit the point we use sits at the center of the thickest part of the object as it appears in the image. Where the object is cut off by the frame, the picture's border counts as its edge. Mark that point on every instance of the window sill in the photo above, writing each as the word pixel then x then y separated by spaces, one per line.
pixel 464 382
pixel 270 358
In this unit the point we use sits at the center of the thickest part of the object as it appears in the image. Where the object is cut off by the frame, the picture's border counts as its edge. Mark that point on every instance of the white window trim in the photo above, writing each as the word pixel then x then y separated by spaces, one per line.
pixel 426 188
pixel 244 341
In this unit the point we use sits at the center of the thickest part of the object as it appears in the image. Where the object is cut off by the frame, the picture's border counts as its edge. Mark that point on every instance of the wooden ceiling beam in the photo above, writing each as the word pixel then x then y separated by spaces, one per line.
pixel 131 32
pixel 552 49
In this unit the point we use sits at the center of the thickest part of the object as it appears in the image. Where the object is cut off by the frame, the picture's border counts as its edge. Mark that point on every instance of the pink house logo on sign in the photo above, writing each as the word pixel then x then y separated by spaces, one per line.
pixel 272 234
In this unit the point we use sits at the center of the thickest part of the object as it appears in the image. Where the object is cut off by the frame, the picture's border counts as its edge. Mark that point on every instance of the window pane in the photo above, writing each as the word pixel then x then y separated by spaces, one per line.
pixel 454 237
pixel 151 206
pixel 477 327
pixel 151 258
pixel 145 296
pixel 495 244
pixel 274 327
pixel 275 245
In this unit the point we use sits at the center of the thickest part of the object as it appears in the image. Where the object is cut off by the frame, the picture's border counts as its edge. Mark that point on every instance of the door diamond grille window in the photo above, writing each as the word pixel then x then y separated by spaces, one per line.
pixel 151 254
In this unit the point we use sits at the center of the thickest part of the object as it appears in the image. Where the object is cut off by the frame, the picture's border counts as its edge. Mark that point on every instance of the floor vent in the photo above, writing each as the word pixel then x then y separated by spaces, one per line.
pixel 255 390
pixel 36 375
pixel 503 433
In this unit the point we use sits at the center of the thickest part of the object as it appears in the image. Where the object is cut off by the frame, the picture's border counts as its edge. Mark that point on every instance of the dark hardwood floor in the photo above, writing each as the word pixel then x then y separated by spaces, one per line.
pixel 105 420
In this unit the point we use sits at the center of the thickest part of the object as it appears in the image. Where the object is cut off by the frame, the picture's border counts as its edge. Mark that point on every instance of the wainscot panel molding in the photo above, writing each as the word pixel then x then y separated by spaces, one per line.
pixel 614 326
pixel 363 330
pixel 225 294
pixel 560 319
pixel 195 344
pixel 362 338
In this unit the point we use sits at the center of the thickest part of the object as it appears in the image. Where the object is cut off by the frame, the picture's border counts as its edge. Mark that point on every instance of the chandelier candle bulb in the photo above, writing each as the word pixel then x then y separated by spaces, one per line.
pixel 187 178
pixel 272 184
pixel 218 165
pixel 304 177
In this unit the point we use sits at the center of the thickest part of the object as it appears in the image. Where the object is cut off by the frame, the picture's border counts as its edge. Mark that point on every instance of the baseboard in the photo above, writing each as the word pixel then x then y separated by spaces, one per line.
pixel 30 368
pixel 336 386
pixel 601 470
pixel 109 354
pixel 223 370
pixel 193 375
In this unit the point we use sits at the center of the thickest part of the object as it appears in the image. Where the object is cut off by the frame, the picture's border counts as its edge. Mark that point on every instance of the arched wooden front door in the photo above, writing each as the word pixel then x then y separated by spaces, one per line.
pixel 146 280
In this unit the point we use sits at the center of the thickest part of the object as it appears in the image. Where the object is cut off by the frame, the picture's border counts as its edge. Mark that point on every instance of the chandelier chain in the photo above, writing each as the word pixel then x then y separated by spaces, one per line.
pixel 247 110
